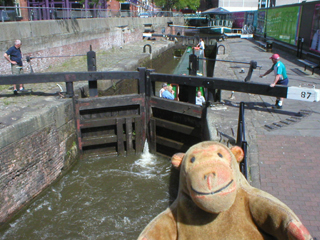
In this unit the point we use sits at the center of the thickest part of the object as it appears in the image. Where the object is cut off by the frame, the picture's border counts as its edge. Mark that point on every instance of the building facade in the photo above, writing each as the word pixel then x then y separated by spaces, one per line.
pixel 245 5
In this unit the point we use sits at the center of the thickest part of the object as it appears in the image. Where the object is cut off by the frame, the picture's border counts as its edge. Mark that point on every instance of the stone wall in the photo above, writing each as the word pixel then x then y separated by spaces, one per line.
pixel 74 37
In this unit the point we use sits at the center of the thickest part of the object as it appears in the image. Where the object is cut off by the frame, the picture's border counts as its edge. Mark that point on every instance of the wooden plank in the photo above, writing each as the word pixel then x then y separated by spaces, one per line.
pixel 120 137
pixel 177 107
pixel 153 136
pixel 139 136
pixel 222 83
pixel 129 135
pixel 177 127
pixel 308 63
pixel 100 122
pixel 65 77
pixel 142 74
pixel 110 101
pixel 97 140
pixel 179 146
pixel 89 123
pixel 263 44
pixel 77 122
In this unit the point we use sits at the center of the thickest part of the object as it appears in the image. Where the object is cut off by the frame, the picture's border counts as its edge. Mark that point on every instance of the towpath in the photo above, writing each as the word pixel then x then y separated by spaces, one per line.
pixel 283 145
pixel 40 97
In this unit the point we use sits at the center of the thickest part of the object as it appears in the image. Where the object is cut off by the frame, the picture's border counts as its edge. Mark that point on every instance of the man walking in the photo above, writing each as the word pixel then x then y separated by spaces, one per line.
pixel 14 56
pixel 201 44
pixel 281 77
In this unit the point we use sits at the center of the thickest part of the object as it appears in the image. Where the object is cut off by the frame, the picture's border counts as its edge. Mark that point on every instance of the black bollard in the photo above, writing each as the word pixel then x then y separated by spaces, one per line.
pixel 213 95
pixel 188 93
pixel 92 67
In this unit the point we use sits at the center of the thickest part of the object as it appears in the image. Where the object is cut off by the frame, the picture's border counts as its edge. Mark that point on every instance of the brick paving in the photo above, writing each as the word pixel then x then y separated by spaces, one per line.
pixel 289 170
pixel 283 161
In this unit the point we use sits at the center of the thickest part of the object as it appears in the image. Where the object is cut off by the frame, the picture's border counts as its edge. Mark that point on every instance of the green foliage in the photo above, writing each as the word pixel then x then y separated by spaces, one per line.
pixel 178 4
pixel 92 2
pixel 4 87
pixel 191 4
pixel 6 3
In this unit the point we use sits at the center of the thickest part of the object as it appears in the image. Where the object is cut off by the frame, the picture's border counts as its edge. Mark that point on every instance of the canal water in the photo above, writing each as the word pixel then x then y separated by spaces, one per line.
pixel 99 198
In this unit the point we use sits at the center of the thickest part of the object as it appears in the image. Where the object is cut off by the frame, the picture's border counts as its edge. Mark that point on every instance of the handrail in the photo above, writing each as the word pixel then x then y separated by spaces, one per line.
pixel 221 83
pixel 195 81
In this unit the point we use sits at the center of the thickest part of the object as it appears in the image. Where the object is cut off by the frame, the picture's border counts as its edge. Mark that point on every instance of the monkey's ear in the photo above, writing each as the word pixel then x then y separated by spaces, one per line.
pixel 176 160
pixel 238 153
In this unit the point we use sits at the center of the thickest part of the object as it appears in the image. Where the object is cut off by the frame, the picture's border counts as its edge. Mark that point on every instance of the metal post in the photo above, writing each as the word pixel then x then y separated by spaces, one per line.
pixel 150 135
pixel 188 93
pixel 253 65
pixel 241 139
pixel 241 128
pixel 213 95
pixel 243 164
pixel 91 62
pixel 299 47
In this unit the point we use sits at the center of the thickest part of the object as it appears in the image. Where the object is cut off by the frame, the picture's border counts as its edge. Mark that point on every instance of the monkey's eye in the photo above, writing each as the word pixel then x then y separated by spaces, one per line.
pixel 192 159
pixel 220 155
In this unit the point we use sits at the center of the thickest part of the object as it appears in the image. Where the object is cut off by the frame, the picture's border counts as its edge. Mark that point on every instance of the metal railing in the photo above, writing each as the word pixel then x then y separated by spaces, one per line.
pixel 241 140
pixel 34 13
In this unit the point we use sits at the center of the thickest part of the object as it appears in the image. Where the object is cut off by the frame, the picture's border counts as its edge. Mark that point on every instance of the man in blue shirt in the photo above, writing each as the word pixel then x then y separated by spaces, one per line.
pixel 16 62
pixel 168 93
pixel 281 77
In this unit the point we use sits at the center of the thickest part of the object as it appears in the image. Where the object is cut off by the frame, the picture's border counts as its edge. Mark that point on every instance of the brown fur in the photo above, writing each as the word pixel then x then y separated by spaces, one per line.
pixel 215 201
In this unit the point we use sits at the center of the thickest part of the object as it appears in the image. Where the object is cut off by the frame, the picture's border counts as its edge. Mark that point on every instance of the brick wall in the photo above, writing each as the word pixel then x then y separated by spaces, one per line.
pixel 72 37
pixel 34 161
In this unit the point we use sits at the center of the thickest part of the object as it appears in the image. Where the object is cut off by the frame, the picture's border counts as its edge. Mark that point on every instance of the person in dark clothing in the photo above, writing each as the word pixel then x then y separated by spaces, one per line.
pixel 14 56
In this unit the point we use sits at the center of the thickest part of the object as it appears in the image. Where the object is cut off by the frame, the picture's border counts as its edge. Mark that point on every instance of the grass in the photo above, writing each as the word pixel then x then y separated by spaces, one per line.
pixel 4 87
pixel 6 102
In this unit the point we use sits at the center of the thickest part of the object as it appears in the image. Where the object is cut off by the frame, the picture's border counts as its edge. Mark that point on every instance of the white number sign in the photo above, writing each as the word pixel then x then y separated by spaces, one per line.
pixel 304 94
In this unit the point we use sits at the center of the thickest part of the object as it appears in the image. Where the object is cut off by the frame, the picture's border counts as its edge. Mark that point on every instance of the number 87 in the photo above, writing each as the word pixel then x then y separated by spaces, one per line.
pixel 305 94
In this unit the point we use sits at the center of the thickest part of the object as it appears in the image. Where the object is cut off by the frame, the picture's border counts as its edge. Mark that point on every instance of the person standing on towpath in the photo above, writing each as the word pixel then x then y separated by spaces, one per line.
pixel 14 56
pixel 281 77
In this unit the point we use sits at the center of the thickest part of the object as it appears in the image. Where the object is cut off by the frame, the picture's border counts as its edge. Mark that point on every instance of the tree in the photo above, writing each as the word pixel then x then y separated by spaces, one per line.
pixel 179 4
pixel 192 4
pixel 6 2
pixel 92 2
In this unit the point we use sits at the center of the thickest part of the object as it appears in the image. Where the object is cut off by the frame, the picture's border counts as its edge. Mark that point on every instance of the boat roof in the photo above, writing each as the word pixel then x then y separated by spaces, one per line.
pixel 218 10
